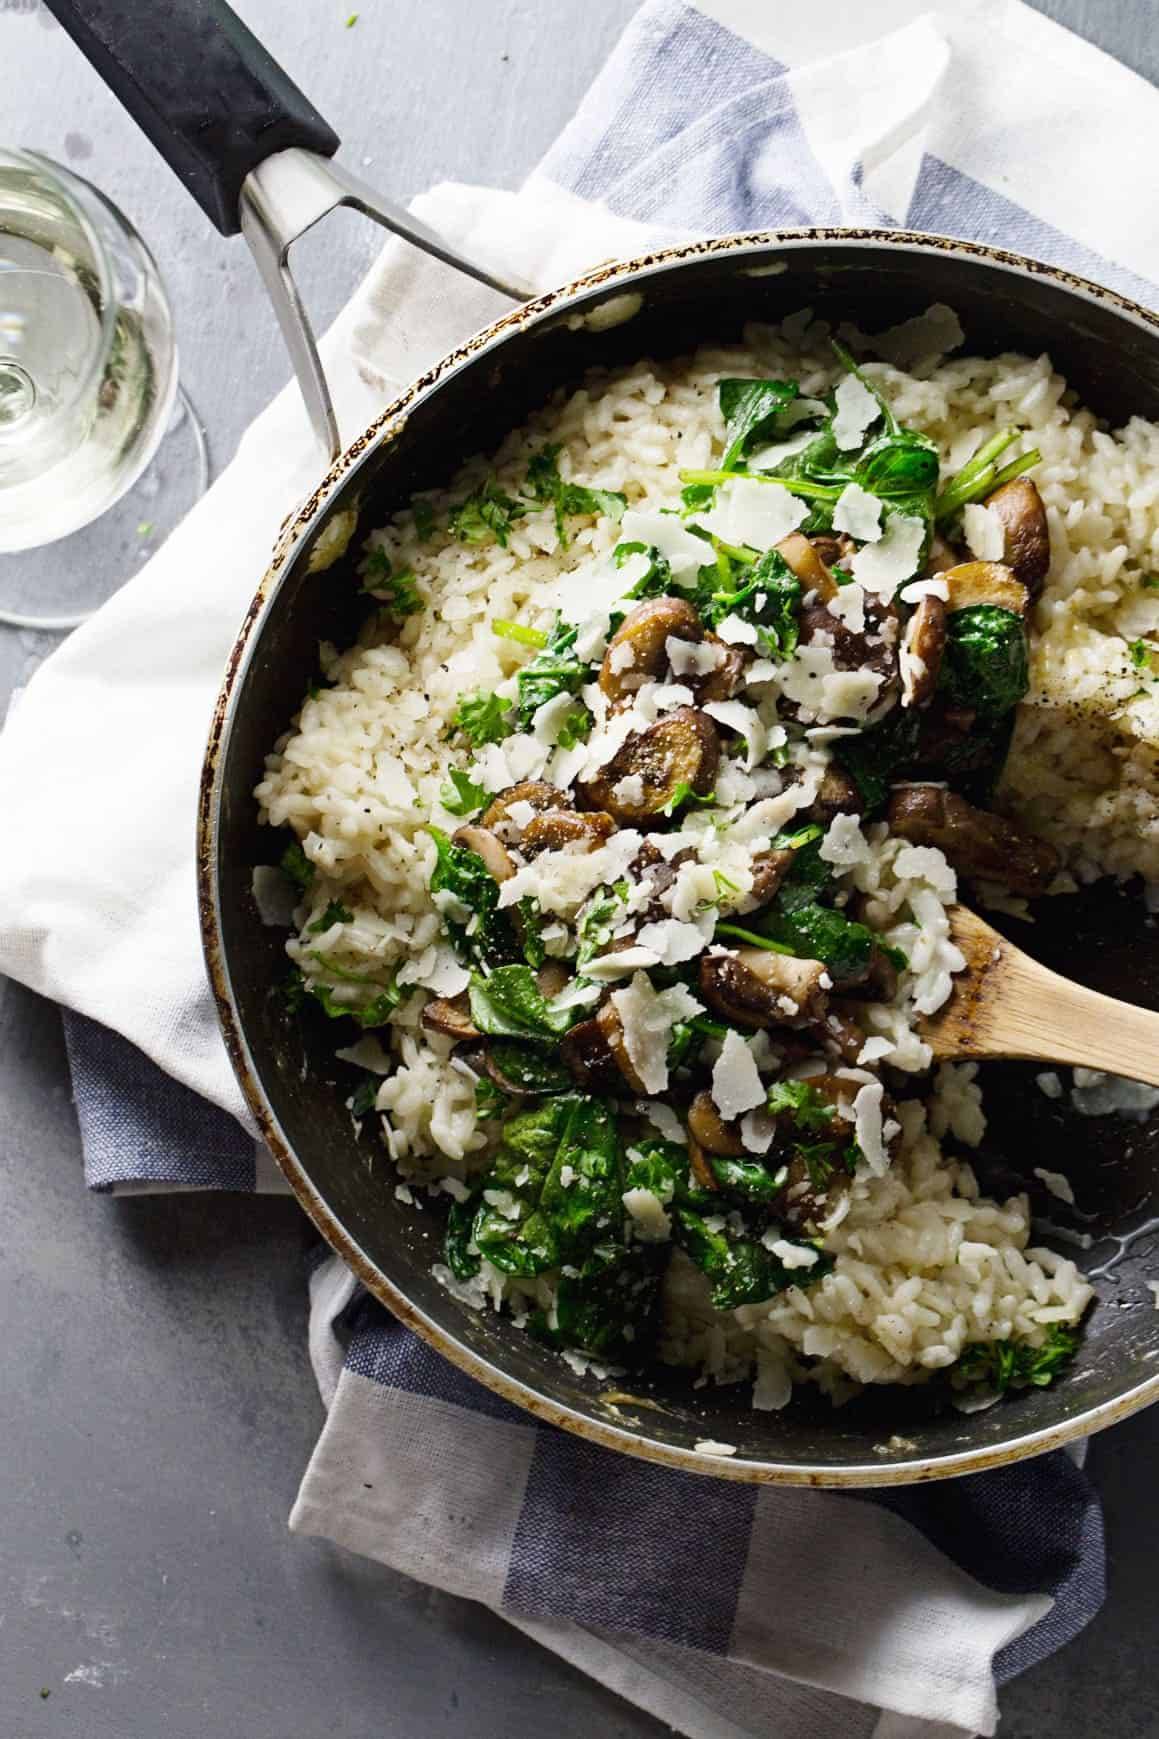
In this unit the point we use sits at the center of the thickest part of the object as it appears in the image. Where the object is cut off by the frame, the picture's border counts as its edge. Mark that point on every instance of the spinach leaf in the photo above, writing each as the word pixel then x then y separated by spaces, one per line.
pixel 361 1101
pixel 609 1305
pixel 685 1034
pixel 488 937
pixel 809 875
pixel 528 1069
pixel 814 932
pixel 372 1013
pixel 482 718
pixel 747 1179
pixel 509 1004
pixel 490 1100
pixel 769 598
pixel 657 1165
pixel 424 517
pixel 294 864
pixel 902 470
pixel 657 582
pixel 544 483
pixel 750 409
pixel 683 793
pixel 554 1187
pixel 460 795
pixel 1008 1364
pixel 740 1271
pixel 875 758
pixel 986 664
pixel 459 1248
pixel 555 670
pixel 486 513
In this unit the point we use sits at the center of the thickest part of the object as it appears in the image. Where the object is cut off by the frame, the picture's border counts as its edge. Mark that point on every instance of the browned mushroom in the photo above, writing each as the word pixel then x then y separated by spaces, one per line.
pixel 757 988
pixel 560 827
pixel 484 844
pixel 537 792
pixel 840 1034
pixel 925 642
pixel 973 583
pixel 595 1052
pixel 942 557
pixel 707 1126
pixel 450 1016
pixel 836 549
pixel 805 560
pixel 769 870
pixel 872 648
pixel 726 676
pixel 638 650
pixel 877 984
pixel 1026 549
pixel 976 842
pixel 699 1166
pixel 681 749
pixel 837 794
pixel 552 977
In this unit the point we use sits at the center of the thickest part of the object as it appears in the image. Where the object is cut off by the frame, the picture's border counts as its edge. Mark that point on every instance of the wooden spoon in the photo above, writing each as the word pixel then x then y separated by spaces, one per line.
pixel 1004 1004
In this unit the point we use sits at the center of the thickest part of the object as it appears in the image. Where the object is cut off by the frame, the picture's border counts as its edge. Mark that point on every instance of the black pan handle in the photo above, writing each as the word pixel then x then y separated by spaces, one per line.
pixel 202 87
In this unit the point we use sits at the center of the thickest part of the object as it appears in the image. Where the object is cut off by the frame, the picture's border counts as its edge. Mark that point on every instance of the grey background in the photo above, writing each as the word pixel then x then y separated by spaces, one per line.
pixel 156 1406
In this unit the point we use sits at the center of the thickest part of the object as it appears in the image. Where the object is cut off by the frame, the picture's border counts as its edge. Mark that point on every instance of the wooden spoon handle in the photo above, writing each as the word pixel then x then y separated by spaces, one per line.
pixel 1006 1005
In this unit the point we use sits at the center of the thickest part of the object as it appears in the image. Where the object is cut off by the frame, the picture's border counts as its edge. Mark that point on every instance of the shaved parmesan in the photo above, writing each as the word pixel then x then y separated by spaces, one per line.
pixel 844 844
pixel 934 587
pixel 664 1120
pixel 687 658
pixel 849 606
pixel 856 408
pixel 736 1081
pixel 629 789
pixel 649 1221
pixel 736 631
pixel 858 512
pixel 757 1129
pixel 757 515
pixel 984 531
pixel 647 1017
pixel 885 565
pixel 867 1124
pixel 673 941
pixel 547 721
pixel 665 532
pixel 745 721
pixel 768 458
pixel 789 1255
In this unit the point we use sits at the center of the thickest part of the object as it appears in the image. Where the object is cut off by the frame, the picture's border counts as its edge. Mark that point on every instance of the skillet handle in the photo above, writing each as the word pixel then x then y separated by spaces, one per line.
pixel 210 98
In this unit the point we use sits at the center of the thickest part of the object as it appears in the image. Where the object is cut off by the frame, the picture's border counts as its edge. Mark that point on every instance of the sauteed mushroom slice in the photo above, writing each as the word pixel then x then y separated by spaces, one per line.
pixel 484 844
pixel 698 1165
pixel 726 677
pixel 756 988
pixel 973 583
pixel 707 1127
pixel 872 648
pixel 562 827
pixel 976 842
pixel 552 977
pixel 646 773
pixel 450 1016
pixel 595 1052
pixel 837 794
pixel 925 642
pixel 537 792
pixel 805 560
pixel 1026 551
pixel 769 870
pixel 638 650
pixel 942 557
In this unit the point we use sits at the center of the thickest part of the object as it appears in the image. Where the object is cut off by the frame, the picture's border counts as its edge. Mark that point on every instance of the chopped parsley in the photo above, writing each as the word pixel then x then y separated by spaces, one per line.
pixel 802 1103
pixel 335 913
pixel 544 484
pixel 402 596
pixel 1005 1364
pixel 363 1097
pixel 423 515
pixel 486 513
pixel 575 727
pixel 482 718
pixel 297 866
pixel 1140 651
pixel 1150 582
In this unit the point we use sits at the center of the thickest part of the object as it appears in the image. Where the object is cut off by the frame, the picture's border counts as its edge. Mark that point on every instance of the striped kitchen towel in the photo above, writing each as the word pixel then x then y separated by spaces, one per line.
pixel 725 1610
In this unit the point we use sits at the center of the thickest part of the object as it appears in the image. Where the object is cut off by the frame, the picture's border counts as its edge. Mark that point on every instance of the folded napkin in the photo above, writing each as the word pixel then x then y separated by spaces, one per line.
pixel 889 1614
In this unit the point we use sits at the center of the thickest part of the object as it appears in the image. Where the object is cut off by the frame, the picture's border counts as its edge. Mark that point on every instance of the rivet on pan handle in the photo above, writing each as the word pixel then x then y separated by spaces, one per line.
pixel 248 145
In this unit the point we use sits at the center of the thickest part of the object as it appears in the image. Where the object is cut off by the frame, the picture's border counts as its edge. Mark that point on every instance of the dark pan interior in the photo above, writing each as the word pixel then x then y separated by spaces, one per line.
pixel 1104 938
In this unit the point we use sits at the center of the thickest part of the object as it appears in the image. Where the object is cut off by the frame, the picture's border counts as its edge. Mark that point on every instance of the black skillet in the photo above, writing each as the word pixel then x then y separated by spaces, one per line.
pixel 256 155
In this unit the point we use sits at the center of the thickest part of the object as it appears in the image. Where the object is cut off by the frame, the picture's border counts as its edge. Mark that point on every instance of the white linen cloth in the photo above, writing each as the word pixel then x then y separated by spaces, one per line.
pixel 977 118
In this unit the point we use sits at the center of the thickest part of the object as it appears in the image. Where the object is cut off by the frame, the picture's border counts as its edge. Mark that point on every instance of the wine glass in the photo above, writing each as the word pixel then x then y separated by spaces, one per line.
pixel 92 417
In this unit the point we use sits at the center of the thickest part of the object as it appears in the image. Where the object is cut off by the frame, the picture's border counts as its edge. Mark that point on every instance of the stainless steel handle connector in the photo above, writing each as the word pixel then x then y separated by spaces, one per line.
pixel 281 199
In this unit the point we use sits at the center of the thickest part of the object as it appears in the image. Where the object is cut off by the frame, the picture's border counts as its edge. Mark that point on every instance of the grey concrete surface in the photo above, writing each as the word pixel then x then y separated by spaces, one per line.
pixel 156 1406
